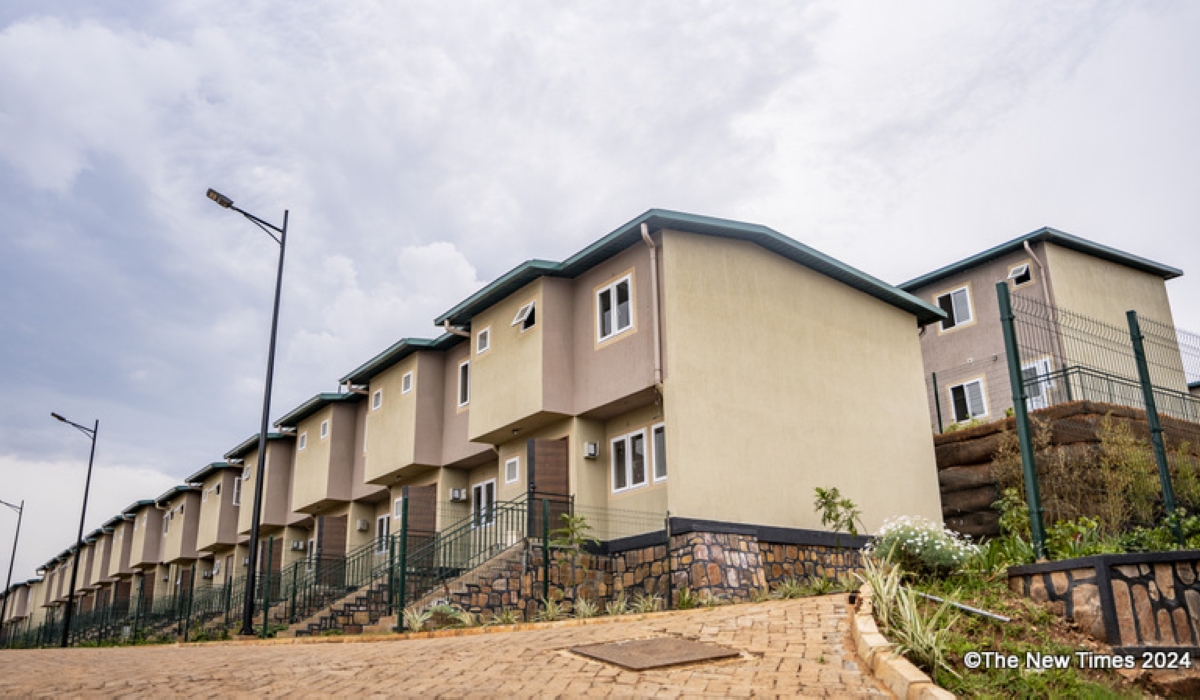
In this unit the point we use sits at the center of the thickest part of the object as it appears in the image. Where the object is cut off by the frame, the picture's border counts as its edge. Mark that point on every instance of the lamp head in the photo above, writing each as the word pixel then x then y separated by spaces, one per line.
pixel 58 417
pixel 219 198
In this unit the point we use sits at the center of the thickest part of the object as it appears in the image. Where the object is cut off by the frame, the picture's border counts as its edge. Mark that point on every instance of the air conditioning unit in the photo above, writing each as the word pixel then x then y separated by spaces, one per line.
pixel 246 561
pixel 591 450
pixel 458 495
pixel 297 545
pixel 207 574
pixel 363 525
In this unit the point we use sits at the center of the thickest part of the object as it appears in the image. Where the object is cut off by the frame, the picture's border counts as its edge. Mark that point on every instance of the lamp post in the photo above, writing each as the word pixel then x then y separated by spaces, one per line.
pixel 87 485
pixel 251 574
pixel 8 582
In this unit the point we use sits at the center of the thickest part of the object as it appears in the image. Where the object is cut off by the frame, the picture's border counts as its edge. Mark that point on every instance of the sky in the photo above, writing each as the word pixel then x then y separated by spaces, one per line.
pixel 422 149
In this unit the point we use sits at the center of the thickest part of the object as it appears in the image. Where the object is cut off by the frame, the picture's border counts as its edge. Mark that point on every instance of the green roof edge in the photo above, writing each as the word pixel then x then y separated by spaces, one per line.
pixel 398 351
pixel 311 406
pixel 250 443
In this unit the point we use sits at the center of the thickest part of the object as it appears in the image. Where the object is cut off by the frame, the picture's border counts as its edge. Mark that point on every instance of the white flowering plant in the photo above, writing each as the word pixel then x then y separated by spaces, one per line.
pixel 921 546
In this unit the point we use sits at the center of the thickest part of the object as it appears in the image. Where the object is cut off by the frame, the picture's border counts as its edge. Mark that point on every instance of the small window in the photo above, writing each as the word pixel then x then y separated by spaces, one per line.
pixel 1038 383
pixel 382 529
pixel 301 443
pixel 406 383
pixel 377 400
pixel 217 489
pixel 398 508
pixel 464 383
pixel 967 400
pixel 324 429
pixel 526 316
pixel 483 341
pixel 658 436
pixel 204 499
pixel 1020 275
pixel 957 305
pixel 181 505
pixel 237 491
pixel 311 555
pixel 512 470
pixel 166 525
pixel 629 461
pixel 246 473
pixel 483 503
pixel 614 309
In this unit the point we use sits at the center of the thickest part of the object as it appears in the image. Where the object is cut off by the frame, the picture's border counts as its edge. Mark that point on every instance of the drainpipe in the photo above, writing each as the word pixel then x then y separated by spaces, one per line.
pixel 455 331
pixel 654 303
pixel 356 389
pixel 1055 331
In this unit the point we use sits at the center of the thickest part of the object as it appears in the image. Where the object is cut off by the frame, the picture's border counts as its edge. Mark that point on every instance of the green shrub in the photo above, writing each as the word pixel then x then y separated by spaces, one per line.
pixel 619 605
pixel 921 546
pixel 646 603
pixel 790 587
pixel 585 607
pixel 685 599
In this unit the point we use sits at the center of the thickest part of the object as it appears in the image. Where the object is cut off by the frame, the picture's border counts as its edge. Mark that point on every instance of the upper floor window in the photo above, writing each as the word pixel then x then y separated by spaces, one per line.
pixel 957 305
pixel 377 400
pixel 1020 274
pixel 483 341
pixel 406 383
pixel 526 316
pixel 383 526
pixel 512 470
pixel 237 491
pixel 464 383
pixel 324 429
pixel 614 308
pixel 301 442
pixel 968 400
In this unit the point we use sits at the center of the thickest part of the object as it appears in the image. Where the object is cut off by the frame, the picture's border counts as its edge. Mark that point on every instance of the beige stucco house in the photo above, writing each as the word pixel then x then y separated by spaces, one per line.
pixel 217 536
pixel 278 523
pixel 1053 269
pixel 180 506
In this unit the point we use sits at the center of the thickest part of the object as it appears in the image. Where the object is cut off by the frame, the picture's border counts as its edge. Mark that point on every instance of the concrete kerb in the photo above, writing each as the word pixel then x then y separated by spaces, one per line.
pixel 896 672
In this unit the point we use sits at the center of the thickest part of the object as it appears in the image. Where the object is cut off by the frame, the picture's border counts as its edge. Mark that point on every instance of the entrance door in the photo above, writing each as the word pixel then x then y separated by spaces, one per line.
pixel 1038 383
pixel 549 482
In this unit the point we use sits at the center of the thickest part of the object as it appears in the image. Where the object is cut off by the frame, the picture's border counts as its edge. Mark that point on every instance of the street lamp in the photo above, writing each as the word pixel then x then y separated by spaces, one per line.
pixel 251 575
pixel 8 583
pixel 87 485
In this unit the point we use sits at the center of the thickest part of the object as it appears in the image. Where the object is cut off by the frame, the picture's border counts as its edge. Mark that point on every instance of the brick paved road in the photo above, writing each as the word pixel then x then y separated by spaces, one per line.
pixel 795 648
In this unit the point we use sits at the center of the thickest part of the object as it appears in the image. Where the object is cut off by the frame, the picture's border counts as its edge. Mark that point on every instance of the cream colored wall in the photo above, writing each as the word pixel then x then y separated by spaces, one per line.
pixel 296 533
pixel 391 429
pixel 277 487
pixel 506 381
pixel 651 498
pixel 1104 291
pixel 311 466
pixel 360 510
pixel 147 537
pixel 218 515
pixel 783 380
pixel 456 447
pixel 180 539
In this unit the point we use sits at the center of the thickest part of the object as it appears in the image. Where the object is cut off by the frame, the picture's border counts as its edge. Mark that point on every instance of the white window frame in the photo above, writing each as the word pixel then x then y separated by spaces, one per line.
pixel 955 320
pixel 325 429
pixel 464 387
pixel 246 473
pixel 526 316
pixel 237 490
pixel 515 463
pixel 1041 367
pixel 626 442
pixel 1017 271
pixel 654 453
pixel 377 399
pixel 611 290
pixel 406 382
pixel 483 340
pixel 983 399
pixel 479 517
pixel 301 441
pixel 383 530
pixel 205 498
pixel 398 507
pixel 310 554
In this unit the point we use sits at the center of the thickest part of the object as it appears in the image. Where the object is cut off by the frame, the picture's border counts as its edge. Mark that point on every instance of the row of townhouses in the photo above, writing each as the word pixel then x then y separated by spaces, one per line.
pixel 705 373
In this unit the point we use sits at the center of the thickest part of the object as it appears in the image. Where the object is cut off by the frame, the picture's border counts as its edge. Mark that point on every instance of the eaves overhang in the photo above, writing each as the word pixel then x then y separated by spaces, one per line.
pixel 629 234
pixel 136 506
pixel 250 444
pixel 208 470
pixel 399 350
pixel 313 405
pixel 1047 235
pixel 112 522
pixel 171 493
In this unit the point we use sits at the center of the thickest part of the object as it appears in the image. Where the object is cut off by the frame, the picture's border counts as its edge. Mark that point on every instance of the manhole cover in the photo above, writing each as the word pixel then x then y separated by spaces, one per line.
pixel 641 654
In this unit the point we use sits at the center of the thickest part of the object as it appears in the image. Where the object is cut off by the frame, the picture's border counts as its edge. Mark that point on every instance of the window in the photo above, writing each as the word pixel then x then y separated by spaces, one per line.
pixel 1038 383
pixel 377 400
pixel 406 383
pixel 614 309
pixel 658 436
pixel 311 555
pixel 166 524
pixel 324 429
pixel 464 383
pixel 246 473
pixel 629 461
pixel 217 489
pixel 967 400
pixel 398 508
pixel 301 442
pixel 204 499
pixel 383 526
pixel 526 316
pixel 957 305
pixel 483 503
pixel 483 340
pixel 237 491
pixel 512 470
pixel 1020 275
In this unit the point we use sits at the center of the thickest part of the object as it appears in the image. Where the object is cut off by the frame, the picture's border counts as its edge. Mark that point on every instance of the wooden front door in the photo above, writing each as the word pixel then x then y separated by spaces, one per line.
pixel 549 484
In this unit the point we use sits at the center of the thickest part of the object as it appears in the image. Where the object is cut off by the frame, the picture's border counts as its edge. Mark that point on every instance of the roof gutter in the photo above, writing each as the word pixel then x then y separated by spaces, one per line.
pixel 654 303
pixel 454 331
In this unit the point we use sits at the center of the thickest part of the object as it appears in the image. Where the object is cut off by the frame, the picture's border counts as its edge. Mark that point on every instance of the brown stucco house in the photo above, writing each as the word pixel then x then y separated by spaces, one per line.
pixel 217 537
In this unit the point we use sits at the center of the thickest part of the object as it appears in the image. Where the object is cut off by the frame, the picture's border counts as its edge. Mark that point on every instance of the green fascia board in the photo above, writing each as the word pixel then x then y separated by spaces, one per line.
pixel 112 522
pixel 249 444
pixel 208 470
pixel 136 506
pixel 173 492
pixel 1048 235
pixel 311 406
pixel 657 219
pixel 397 352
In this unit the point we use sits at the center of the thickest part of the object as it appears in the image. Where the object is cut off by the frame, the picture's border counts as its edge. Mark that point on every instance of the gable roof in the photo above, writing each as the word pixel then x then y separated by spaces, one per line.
pixel 172 493
pixel 398 351
pixel 208 470
pixel 1047 235
pixel 657 219
pixel 136 506
pixel 316 403
pixel 250 444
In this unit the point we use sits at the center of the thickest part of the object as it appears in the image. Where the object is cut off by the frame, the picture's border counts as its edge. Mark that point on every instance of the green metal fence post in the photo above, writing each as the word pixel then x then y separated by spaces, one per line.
pixel 1156 438
pixel 391 576
pixel 403 562
pixel 1020 411
pixel 670 574
pixel 545 549
pixel 137 611
pixel 191 595
pixel 267 585
pixel 295 571
pixel 937 403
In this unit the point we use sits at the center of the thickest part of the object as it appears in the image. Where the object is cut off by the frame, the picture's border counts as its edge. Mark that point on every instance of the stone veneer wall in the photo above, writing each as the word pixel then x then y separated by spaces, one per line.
pixel 1124 600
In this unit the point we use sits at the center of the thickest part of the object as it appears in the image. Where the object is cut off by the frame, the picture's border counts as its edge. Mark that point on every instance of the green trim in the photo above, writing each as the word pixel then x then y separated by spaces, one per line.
pixel 630 234
pixel 173 492
pixel 208 470
pixel 111 523
pixel 1047 235
pixel 136 506
pixel 398 351
pixel 251 443
pixel 311 406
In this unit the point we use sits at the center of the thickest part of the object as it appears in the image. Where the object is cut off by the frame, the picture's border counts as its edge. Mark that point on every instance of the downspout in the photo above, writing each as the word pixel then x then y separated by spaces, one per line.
pixel 1059 347
pixel 654 304
pixel 454 331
